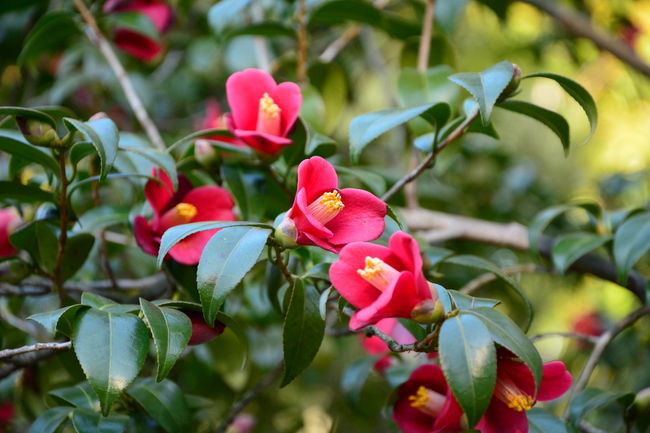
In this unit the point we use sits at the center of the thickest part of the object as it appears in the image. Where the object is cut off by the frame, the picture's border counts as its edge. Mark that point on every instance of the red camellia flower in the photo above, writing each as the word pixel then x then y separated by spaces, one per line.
pixel 9 219
pixel 376 346
pixel 425 403
pixel 590 323
pixel 326 216
pixel 514 393
pixel 262 112
pixel 187 205
pixel 132 42
pixel 381 281
pixel 7 413
pixel 201 331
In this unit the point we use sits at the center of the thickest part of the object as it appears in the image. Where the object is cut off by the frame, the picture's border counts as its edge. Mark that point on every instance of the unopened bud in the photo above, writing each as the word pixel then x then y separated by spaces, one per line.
pixel 286 233
pixel 513 86
pixel 206 155
pixel 642 401
pixel 38 133
pixel 428 311
pixel 97 116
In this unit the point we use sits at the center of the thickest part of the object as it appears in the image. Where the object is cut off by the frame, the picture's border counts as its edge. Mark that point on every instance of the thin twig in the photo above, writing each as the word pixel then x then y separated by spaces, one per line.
pixel 10 353
pixel 409 177
pixel 600 346
pixel 582 337
pixel 96 37
pixel 57 273
pixel 280 263
pixel 488 277
pixel 241 404
pixel 36 286
pixel 26 360
pixel 425 39
pixel 394 346
pixel 301 54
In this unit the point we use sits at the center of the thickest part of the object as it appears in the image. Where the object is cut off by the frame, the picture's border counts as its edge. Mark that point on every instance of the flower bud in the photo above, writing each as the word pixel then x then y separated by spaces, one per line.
pixel 428 311
pixel 201 331
pixel 243 423
pixel 286 233
pixel 97 116
pixel 38 133
pixel 513 86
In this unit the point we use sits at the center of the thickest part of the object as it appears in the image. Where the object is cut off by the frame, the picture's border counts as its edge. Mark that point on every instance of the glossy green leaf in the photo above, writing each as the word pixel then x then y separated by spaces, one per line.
pixel 24 193
pixel 206 134
pixel 577 92
pixel 226 14
pixel 541 421
pixel 375 182
pixel 270 29
pixel 225 260
pixel 340 11
pixel 248 191
pixel 99 302
pixel 48 245
pixel 111 349
pixel 50 420
pixel 60 320
pixel 506 333
pixel 569 248
pixel 76 253
pixel 466 302
pixel 11 5
pixel 29 113
pixel 101 217
pixel 158 158
pixel 468 360
pixel 80 395
pixel 551 119
pixel 541 222
pixel 448 12
pixel 592 398
pixel 163 401
pixel 303 330
pixel 484 265
pixel 486 86
pixel 49 34
pixel 88 421
pixel 631 241
pixel 354 378
pixel 137 22
pixel 177 233
pixel 104 136
pixel 22 149
pixel 171 331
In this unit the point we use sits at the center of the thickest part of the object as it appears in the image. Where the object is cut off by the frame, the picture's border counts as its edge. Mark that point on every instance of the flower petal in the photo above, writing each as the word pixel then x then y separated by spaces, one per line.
pixel 263 142
pixel 137 44
pixel 305 222
pixel 212 203
pixel 158 194
pixel 556 380
pixel 145 236
pixel 244 90
pixel 499 418
pixel 8 218
pixel 316 175
pixel 189 250
pixel 288 97
pixel 362 218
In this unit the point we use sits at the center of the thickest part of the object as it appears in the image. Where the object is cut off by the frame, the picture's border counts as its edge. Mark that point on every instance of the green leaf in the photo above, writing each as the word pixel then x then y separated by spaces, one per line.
pixel 23 193
pixel 80 150
pixel 417 88
pixel 48 245
pixel 375 183
pixel 101 217
pixel 76 253
pixel 569 248
pixel 80 395
pixel 269 29
pixel 164 402
pixel 354 377
pixel 247 190
pixel 577 92
pixel 88 421
pixel 101 303
pixel 104 136
pixel 177 233
pixel 225 14
pixel 29 113
pixel 225 260
pixel 486 86
pixel 466 302
pixel 551 119
pixel 50 420
pixel 340 11
pixel 137 22
pixel 369 126
pixel 592 398
pixel 171 331
pixel 319 144
pixel 540 222
pixel 541 421
pixel 468 360
pixel 631 241
pixel 506 333
pixel 218 144
pixel 447 14
pixel 22 149
pixel 50 34
pixel 111 349
pixel 158 158
pixel 484 265
pixel 60 320
pixel 303 330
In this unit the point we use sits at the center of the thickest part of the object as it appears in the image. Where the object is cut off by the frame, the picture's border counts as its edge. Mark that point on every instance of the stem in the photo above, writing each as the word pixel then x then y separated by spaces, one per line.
pixel 301 55
pixel 601 344
pixel 10 353
pixel 278 180
pixel 425 38
pixel 57 275
pixel 425 164
pixel 96 37
pixel 241 404
pixel 280 263
pixel 488 277
pixel 583 337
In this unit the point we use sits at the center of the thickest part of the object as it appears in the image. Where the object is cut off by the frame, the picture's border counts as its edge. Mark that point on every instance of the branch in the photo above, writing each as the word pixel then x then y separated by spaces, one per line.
pixel 425 38
pixel 418 346
pixel 10 353
pixel 40 286
pixel 438 226
pixel 601 344
pixel 240 405
pixel 25 360
pixel 96 37
pixel 580 26
pixel 301 49
pixel 488 277
pixel 583 337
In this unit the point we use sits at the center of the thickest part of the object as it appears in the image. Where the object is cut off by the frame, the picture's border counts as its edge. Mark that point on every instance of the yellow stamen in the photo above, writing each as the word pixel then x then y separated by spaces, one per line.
pixel 186 211
pixel 269 107
pixel 268 116
pixel 427 401
pixel 326 207
pixel 512 396
pixel 378 273
pixel 521 402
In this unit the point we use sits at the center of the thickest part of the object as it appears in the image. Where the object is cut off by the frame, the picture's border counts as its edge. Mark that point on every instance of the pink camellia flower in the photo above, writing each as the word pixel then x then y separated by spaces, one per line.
pixel 243 423
pixel 9 219
pixel 425 403
pixel 201 331
pixel 132 42
pixel 514 393
pixel 381 281
pixel 262 112
pixel 326 216
pixel 215 119
pixel 187 205
pixel 376 346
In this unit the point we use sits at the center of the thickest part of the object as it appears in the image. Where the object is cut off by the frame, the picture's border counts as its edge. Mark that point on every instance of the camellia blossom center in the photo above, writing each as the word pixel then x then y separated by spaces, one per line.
pixel 182 213
pixel 269 120
pixel 427 401
pixel 326 207
pixel 513 397
pixel 378 273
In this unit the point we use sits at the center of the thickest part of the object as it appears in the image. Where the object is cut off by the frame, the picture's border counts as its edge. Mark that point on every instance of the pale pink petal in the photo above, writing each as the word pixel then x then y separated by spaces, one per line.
pixel 244 90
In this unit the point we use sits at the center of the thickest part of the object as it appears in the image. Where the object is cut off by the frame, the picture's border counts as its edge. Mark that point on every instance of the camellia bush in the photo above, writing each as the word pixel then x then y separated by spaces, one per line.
pixel 245 216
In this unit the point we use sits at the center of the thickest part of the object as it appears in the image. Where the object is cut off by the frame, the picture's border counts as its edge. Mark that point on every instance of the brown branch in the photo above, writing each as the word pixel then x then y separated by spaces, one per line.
pixel 36 286
pixel 583 337
pixel 301 54
pixel 10 353
pixel 488 277
pixel 96 37
pixel 241 404
pixel 425 38
pixel 580 26
pixel 26 360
